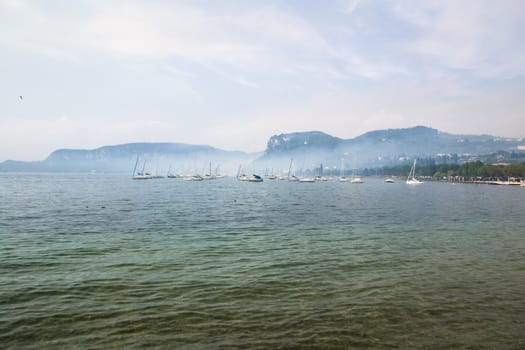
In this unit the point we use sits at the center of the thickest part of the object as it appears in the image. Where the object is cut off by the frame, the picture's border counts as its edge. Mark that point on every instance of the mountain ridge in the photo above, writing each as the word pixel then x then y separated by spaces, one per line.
pixel 382 147
pixel 371 149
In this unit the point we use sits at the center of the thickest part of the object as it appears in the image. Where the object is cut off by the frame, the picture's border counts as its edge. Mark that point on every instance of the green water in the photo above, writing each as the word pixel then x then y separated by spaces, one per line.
pixel 104 262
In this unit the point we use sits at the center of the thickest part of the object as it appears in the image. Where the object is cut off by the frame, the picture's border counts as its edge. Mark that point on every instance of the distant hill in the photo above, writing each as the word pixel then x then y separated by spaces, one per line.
pixel 303 141
pixel 159 157
pixel 308 149
pixel 377 148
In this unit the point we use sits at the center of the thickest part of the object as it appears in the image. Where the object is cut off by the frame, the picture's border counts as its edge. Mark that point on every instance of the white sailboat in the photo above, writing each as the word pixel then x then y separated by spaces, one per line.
pixel 356 179
pixel 142 175
pixel 270 176
pixel 195 177
pixel 342 177
pixel 169 175
pixel 157 175
pixel 250 178
pixel 210 176
pixel 241 176
pixel 291 172
pixel 411 179
pixel 320 176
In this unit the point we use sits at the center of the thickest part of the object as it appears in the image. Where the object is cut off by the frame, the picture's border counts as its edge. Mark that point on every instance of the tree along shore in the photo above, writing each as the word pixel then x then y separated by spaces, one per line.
pixel 469 171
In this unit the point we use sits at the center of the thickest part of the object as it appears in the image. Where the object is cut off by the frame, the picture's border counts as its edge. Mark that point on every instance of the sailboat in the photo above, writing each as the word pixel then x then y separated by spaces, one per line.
pixel 270 176
pixel 241 176
pixel 142 175
pixel 210 176
pixel 170 175
pixel 195 177
pixel 356 179
pixel 291 172
pixel 320 176
pixel 218 174
pixel 307 179
pixel 411 179
pixel 342 176
pixel 157 175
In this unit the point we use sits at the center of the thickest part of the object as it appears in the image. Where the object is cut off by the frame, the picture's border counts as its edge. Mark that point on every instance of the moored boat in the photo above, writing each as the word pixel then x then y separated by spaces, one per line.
pixel 411 179
pixel 140 175
pixel 250 178
pixel 193 178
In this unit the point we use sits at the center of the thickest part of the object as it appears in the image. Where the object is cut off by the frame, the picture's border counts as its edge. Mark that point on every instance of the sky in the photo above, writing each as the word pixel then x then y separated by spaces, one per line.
pixel 230 74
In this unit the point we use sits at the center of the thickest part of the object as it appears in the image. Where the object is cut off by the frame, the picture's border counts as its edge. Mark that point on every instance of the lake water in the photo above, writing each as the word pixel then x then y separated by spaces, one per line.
pixel 104 262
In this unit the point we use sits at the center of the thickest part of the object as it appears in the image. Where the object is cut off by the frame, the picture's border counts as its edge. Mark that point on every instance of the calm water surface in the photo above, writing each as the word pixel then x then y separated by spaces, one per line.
pixel 104 262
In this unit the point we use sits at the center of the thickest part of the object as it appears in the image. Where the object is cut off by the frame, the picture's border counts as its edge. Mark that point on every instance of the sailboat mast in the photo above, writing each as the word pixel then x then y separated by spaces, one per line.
pixel 239 171
pixel 135 168
pixel 412 173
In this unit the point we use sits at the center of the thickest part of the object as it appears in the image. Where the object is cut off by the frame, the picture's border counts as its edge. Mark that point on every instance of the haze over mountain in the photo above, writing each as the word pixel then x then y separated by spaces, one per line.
pixel 153 157
pixel 308 149
pixel 378 148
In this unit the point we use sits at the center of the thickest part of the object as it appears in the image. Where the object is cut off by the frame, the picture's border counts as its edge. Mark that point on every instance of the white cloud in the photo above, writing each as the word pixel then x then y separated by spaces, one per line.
pixel 156 30
pixel 367 68
pixel 349 6
pixel 255 39
pixel 179 72
pixel 13 4
pixel 479 36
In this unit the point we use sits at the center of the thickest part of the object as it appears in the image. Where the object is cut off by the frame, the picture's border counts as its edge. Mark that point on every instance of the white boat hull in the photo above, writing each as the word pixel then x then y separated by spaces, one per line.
pixel 414 182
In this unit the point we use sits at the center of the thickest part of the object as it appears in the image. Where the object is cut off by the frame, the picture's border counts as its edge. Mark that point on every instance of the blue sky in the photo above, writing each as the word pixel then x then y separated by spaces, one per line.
pixel 232 73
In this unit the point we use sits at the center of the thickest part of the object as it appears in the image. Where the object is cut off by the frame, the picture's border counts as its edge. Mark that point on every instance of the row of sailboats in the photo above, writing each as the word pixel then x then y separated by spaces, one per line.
pixel 143 175
pixel 207 176
pixel 241 176
pixel 292 177
pixel 355 178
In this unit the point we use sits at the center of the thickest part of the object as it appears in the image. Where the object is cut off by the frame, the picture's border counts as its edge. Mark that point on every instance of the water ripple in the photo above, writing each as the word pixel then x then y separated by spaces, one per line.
pixel 105 262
